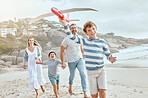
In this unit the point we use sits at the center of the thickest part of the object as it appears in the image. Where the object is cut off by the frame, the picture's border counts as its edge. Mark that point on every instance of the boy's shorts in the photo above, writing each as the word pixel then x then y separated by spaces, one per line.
pixel 54 79
pixel 97 80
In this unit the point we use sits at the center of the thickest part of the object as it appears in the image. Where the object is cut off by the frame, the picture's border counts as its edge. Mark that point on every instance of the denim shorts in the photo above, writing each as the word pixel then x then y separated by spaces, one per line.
pixel 54 79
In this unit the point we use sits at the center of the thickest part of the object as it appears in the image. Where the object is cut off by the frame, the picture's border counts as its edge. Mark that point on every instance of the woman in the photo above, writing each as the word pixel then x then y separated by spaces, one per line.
pixel 33 54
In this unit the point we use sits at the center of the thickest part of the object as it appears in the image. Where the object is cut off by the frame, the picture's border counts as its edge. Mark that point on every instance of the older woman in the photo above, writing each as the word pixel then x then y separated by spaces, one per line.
pixel 33 54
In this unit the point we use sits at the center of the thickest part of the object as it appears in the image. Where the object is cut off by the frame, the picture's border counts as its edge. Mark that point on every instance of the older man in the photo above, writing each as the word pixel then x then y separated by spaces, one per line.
pixel 75 59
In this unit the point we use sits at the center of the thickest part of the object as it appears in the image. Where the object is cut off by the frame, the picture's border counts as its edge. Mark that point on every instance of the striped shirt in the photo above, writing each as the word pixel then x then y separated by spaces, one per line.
pixel 94 50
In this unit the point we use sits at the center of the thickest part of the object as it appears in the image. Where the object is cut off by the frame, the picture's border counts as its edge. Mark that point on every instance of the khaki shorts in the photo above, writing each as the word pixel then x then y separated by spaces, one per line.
pixel 97 80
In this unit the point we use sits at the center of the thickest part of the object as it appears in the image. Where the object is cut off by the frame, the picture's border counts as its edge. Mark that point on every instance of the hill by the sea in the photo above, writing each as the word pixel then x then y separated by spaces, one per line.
pixel 12 47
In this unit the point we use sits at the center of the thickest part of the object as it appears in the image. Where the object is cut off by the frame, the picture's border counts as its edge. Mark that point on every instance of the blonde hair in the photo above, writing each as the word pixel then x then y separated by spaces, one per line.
pixel 35 43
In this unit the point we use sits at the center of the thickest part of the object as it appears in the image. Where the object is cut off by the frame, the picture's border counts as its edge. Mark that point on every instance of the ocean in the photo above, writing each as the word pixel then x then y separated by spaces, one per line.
pixel 132 57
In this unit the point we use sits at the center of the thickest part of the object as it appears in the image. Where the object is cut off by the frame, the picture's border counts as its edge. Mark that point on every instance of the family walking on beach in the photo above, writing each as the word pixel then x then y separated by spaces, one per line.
pixel 83 54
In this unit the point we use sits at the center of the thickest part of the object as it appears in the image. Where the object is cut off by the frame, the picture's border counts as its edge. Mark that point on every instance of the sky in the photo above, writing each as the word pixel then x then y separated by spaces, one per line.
pixel 128 18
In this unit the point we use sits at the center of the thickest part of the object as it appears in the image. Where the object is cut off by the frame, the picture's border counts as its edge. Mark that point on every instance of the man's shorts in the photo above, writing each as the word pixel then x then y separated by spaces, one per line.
pixel 54 79
pixel 97 80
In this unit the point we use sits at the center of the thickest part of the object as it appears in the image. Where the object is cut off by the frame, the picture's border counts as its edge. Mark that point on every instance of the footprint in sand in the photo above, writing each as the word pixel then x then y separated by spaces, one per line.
pixel 141 92
pixel 135 90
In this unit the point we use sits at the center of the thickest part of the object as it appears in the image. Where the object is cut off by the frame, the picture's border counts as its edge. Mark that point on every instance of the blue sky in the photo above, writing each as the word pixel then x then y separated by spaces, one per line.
pixel 123 17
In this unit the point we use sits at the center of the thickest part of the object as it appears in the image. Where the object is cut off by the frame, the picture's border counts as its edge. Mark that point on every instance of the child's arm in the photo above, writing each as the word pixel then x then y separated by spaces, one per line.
pixel 82 52
pixel 74 38
pixel 108 54
pixel 39 62
pixel 106 49
pixel 61 64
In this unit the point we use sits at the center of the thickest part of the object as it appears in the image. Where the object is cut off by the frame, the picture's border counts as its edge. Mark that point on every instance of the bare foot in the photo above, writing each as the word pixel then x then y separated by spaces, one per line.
pixel 37 95
pixel 85 95
pixel 57 96
pixel 70 90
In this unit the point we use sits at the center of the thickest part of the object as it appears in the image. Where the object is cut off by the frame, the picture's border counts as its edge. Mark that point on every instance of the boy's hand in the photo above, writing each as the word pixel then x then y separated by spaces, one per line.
pixel 63 66
pixel 63 21
pixel 112 59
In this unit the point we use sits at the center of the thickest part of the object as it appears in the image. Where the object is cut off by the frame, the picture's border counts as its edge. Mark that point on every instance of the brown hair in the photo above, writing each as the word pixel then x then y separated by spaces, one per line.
pixel 50 53
pixel 88 24
pixel 72 25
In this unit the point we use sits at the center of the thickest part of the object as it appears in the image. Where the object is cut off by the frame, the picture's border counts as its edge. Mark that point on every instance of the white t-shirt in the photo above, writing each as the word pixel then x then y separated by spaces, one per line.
pixel 73 50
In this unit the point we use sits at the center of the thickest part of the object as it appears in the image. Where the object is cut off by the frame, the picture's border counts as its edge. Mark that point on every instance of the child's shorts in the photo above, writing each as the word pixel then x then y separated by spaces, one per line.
pixel 54 79
pixel 97 80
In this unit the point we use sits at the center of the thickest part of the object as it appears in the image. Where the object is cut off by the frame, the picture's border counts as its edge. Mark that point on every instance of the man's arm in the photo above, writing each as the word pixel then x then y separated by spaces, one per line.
pixel 82 52
pixel 62 54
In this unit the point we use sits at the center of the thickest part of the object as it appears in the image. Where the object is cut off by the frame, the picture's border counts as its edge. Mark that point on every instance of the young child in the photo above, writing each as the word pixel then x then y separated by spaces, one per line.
pixel 94 50
pixel 53 72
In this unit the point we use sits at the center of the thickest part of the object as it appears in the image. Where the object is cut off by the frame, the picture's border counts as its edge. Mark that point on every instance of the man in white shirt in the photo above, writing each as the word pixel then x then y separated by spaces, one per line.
pixel 75 56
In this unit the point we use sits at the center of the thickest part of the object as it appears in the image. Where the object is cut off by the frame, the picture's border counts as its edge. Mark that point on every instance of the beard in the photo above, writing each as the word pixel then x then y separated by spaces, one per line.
pixel 74 32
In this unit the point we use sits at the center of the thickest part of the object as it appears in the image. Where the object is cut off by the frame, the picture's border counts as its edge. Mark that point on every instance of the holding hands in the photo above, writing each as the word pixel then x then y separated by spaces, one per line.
pixel 63 66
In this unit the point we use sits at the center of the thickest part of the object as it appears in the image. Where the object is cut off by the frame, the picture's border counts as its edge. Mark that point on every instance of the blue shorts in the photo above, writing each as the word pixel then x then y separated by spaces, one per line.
pixel 53 79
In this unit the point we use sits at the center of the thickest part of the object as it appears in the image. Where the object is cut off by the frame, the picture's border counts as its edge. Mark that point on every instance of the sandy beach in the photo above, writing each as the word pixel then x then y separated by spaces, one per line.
pixel 122 24
pixel 122 83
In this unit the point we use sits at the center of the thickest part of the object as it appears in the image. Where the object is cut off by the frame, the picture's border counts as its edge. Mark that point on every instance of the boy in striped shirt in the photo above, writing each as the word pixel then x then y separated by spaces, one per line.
pixel 94 50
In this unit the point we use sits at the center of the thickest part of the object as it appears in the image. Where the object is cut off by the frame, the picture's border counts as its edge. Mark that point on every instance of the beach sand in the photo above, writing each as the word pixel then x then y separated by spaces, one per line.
pixel 122 83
